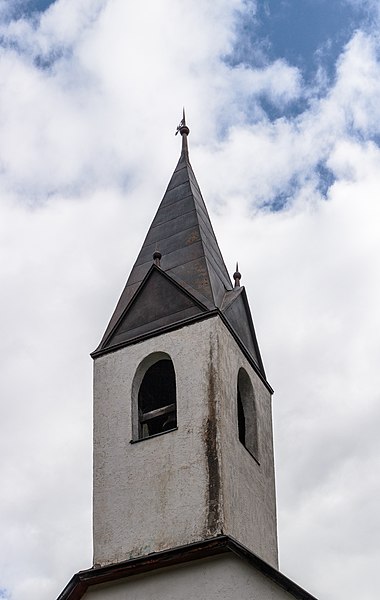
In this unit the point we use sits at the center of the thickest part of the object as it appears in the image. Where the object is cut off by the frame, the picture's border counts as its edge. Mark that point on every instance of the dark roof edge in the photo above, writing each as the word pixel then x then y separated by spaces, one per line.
pixel 78 585
pixel 253 330
pixel 287 584
pixel 184 323
pixel 246 352
pixel 172 280
pixel 154 333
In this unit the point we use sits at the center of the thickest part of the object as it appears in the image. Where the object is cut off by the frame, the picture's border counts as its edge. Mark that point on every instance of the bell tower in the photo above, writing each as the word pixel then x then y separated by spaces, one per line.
pixel 184 490
pixel 183 448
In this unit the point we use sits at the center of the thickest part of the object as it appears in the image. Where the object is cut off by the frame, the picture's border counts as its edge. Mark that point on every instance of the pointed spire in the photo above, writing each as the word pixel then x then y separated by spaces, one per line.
pixel 237 276
pixel 188 278
pixel 184 131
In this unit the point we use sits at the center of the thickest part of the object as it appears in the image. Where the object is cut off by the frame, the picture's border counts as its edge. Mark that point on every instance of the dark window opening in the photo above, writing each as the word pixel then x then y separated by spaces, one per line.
pixel 241 419
pixel 157 400
pixel 246 414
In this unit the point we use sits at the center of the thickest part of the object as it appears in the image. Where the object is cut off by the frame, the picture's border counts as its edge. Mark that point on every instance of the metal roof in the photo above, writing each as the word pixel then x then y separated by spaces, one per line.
pixel 189 278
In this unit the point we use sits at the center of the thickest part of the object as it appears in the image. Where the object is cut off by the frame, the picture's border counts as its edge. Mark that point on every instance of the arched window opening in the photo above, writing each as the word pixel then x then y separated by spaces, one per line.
pixel 241 419
pixel 157 407
pixel 246 414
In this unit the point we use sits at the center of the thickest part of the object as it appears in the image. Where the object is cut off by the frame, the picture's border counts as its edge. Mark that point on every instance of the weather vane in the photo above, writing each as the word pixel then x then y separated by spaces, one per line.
pixel 182 123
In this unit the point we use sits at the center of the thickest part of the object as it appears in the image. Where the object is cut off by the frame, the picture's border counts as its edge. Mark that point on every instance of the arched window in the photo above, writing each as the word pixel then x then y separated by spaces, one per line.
pixel 241 418
pixel 246 414
pixel 157 407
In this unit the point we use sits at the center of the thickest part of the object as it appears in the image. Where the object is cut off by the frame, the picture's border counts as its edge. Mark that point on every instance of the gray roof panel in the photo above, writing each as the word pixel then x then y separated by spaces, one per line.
pixel 190 256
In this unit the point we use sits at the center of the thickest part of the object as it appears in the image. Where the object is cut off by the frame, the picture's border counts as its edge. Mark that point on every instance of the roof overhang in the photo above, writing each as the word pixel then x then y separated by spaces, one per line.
pixel 185 323
pixel 82 581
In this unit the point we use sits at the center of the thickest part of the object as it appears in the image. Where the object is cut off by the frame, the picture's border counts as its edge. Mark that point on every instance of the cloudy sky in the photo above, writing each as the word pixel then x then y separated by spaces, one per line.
pixel 283 101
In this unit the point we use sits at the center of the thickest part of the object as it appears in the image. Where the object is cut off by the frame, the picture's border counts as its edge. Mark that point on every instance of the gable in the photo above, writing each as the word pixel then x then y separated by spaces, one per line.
pixel 239 317
pixel 159 302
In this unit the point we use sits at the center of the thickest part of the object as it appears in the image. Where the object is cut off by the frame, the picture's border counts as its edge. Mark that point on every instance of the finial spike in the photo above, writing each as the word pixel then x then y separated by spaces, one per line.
pixel 237 276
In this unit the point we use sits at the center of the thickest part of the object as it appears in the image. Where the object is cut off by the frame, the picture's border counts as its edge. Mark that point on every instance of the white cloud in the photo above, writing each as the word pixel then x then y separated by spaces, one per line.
pixel 86 150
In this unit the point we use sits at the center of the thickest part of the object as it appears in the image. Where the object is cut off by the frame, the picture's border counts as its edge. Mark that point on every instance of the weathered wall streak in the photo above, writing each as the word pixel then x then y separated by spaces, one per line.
pixel 150 495
pixel 192 483
pixel 247 487
pixel 214 487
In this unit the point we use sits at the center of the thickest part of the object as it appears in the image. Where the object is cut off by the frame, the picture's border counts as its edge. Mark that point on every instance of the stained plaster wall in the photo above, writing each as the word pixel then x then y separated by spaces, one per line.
pixel 248 483
pixel 153 494
pixel 222 578
pixel 189 484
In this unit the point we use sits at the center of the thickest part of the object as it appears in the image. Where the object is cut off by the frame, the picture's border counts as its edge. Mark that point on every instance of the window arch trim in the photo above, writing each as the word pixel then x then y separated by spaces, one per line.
pixel 154 397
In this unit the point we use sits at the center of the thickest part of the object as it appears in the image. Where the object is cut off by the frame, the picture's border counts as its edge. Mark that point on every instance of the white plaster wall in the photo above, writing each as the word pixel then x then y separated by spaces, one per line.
pixel 221 578
pixel 248 488
pixel 189 484
pixel 153 494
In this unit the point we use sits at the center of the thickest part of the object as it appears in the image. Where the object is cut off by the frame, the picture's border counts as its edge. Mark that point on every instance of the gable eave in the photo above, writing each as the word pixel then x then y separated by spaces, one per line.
pixel 213 547
pixel 252 329
pixel 175 281
pixel 227 305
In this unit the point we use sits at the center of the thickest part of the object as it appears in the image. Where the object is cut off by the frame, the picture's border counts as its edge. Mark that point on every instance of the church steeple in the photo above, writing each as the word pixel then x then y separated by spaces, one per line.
pixel 191 274
pixel 180 357
pixel 184 499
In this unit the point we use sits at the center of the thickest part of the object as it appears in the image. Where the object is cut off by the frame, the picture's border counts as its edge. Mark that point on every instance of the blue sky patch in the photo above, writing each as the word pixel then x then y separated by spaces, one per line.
pixel 306 33
pixel 325 179
pixel 37 5
pixel 15 9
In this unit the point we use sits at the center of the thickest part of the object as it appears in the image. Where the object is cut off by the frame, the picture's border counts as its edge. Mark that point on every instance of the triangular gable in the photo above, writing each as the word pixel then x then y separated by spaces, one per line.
pixel 238 315
pixel 159 302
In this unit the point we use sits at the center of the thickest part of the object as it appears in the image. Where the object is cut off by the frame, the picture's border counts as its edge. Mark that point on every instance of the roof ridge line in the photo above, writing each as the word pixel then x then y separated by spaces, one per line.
pixel 205 223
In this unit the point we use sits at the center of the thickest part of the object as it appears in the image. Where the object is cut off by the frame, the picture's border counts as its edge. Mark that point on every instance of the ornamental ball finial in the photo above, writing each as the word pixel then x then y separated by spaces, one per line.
pixel 237 276
pixel 157 258
pixel 182 127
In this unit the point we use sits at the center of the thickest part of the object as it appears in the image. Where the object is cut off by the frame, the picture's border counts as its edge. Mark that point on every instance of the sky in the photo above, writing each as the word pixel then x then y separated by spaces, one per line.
pixel 282 99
